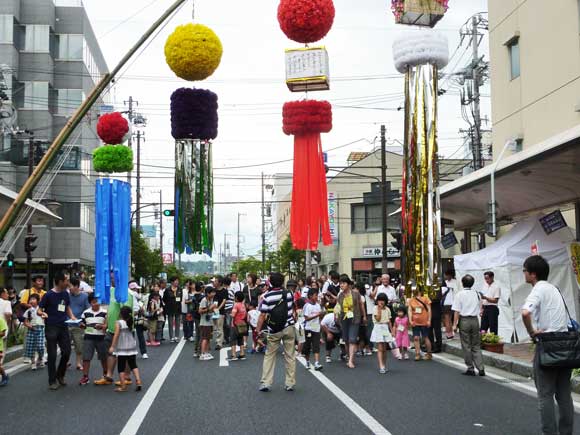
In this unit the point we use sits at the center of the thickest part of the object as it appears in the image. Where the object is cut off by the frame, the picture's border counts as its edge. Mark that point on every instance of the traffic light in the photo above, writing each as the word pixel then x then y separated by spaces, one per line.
pixel 168 212
pixel 398 242
pixel 9 271
pixel 29 246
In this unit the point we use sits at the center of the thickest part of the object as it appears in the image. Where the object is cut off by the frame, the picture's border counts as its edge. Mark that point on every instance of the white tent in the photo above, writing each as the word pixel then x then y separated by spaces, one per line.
pixel 506 257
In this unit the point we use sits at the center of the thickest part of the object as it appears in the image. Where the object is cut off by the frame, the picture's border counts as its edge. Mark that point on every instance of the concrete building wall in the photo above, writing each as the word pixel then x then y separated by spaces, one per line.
pixel 544 99
pixel 72 239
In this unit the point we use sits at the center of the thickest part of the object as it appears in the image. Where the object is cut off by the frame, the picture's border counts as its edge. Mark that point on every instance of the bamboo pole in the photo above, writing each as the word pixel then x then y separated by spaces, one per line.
pixel 73 122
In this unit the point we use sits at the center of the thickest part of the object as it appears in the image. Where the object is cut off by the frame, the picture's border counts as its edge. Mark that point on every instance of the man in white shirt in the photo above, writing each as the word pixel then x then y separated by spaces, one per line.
pixel 490 298
pixel 85 287
pixel 467 305
pixel 387 289
pixel 235 285
pixel 546 305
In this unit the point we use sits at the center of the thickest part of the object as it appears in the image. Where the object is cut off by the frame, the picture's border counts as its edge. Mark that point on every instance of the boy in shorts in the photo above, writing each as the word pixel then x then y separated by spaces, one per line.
pixel 94 322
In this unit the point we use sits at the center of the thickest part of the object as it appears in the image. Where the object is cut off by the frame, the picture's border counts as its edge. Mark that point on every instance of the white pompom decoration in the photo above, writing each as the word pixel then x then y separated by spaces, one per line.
pixel 420 48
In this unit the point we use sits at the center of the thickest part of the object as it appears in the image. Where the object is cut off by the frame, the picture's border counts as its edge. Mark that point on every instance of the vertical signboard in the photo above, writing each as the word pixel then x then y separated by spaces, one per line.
pixel 333 216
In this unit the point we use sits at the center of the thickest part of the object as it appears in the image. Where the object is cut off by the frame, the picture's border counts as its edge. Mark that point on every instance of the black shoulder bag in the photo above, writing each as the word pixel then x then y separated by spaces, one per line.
pixel 559 349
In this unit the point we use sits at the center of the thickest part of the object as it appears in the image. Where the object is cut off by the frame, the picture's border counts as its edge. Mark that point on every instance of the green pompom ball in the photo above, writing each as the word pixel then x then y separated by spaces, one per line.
pixel 113 158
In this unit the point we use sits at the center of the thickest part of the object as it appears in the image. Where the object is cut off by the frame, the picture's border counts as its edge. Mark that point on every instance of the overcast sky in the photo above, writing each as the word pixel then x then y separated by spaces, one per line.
pixel 250 83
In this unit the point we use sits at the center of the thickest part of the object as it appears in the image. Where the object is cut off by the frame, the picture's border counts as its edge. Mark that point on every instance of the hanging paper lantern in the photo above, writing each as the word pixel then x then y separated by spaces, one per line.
pixel 113 158
pixel 194 114
pixel 306 21
pixel 306 120
pixel 112 127
pixel 193 51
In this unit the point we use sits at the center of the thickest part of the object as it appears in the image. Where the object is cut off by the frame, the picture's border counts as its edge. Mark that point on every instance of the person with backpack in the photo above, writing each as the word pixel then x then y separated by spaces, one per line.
pixel 195 297
pixel 277 313
pixel 330 290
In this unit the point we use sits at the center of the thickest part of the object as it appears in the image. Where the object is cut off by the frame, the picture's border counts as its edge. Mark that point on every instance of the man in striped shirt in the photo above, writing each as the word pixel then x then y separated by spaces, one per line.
pixel 277 313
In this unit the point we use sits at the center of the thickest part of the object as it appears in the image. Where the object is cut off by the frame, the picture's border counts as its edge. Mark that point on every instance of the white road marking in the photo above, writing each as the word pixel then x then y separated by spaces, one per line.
pixel 368 420
pixel 224 356
pixel 526 388
pixel 138 416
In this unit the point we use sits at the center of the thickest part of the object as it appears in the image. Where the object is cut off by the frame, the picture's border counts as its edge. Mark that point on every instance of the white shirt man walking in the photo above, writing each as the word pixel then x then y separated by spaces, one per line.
pixel 467 306
pixel 545 311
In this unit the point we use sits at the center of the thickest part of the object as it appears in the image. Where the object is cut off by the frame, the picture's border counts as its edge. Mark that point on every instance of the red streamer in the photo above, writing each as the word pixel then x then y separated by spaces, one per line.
pixel 309 209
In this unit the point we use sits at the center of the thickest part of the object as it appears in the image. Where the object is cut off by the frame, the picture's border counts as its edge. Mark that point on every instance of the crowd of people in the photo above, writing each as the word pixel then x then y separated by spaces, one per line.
pixel 261 315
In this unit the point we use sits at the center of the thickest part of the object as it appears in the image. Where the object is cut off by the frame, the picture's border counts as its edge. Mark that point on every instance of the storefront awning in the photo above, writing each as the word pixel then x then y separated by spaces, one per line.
pixel 542 176
pixel 41 216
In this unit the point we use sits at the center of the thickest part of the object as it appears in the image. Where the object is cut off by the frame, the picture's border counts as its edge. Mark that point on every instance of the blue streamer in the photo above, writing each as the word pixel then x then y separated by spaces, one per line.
pixel 113 239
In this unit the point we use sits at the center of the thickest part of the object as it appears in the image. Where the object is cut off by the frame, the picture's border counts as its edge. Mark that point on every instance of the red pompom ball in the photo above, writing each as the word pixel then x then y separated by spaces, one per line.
pixel 307 116
pixel 112 128
pixel 306 21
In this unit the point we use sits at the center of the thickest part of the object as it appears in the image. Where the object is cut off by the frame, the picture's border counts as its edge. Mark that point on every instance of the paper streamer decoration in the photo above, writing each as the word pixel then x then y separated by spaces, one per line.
pixel 419 55
pixel 194 122
pixel 113 238
pixel 305 120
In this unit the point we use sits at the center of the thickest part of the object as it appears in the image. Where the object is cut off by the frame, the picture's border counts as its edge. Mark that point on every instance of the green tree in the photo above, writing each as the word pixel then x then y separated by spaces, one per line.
pixel 147 264
pixel 292 262
pixel 247 265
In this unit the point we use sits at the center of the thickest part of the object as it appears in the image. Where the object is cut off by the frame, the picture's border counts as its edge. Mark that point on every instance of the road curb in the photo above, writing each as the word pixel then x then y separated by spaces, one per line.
pixel 498 360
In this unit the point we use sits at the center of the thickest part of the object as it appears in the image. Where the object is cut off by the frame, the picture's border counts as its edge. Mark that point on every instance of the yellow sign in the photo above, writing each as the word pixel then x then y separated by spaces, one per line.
pixel 575 259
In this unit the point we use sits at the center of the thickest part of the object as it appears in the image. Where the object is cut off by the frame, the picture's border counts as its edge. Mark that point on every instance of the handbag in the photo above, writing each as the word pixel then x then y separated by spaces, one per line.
pixel 560 349
pixel 242 328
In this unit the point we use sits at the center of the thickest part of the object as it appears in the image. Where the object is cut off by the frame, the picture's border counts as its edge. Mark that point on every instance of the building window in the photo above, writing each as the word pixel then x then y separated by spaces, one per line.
pixel 35 96
pixel 85 218
pixel 514 52
pixel 6 29
pixel 366 218
pixel 70 47
pixel 37 38
pixel 68 100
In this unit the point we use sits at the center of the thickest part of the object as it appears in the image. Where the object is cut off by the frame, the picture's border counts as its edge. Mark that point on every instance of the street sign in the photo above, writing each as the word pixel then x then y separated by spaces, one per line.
pixel 449 240
pixel 167 258
pixel 553 222
pixel 377 251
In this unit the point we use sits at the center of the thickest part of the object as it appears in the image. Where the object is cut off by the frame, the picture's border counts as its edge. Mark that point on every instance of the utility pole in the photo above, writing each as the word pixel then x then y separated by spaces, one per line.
pixel 161 221
pixel 238 238
pixel 130 114
pixel 29 235
pixel 263 231
pixel 385 263
pixel 476 97
pixel 140 135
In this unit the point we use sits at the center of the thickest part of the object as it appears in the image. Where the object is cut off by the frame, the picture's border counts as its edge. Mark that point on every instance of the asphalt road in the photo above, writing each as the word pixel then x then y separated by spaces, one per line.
pixel 198 397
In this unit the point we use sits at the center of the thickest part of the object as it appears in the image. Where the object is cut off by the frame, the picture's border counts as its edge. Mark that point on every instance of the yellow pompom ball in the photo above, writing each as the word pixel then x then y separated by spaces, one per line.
pixel 193 51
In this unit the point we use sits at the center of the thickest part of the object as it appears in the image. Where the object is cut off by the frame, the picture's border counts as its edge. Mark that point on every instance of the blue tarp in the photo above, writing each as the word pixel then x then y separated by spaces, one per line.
pixel 113 239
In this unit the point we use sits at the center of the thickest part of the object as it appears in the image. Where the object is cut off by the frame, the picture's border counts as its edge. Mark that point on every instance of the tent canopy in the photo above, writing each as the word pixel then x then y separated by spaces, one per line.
pixel 515 246
pixel 505 259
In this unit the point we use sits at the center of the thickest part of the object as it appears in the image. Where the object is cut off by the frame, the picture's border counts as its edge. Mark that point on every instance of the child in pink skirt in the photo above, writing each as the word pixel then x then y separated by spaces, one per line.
pixel 401 332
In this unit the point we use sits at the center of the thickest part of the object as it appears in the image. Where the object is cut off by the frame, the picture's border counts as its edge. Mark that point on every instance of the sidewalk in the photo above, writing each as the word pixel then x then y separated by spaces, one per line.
pixel 517 358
